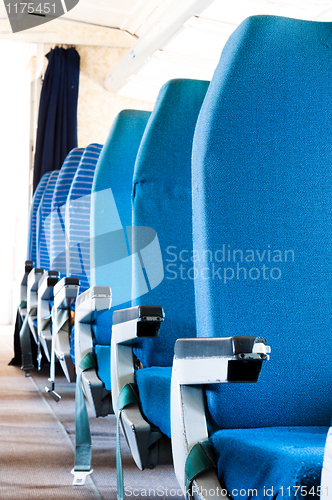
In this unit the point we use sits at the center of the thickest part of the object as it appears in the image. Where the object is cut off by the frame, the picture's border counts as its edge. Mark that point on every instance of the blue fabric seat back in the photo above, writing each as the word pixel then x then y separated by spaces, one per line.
pixel 262 218
pixel 43 223
pixel 61 190
pixel 78 213
pixel 162 201
pixel 32 230
pixel 111 211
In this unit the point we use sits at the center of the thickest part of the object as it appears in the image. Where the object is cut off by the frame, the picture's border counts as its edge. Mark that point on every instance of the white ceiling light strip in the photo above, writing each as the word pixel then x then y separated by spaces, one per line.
pixel 173 20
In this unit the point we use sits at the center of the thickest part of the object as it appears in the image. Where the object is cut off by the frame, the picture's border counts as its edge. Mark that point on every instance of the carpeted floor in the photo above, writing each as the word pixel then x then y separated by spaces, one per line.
pixel 36 443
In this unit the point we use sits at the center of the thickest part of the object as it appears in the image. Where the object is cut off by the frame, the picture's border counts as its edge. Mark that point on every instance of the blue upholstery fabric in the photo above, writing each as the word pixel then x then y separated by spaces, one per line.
pixel 154 386
pixel 270 460
pixel 111 209
pixel 262 182
pixel 162 201
pixel 32 235
pixel 61 190
pixel 78 212
pixel 43 223
pixel 103 356
pixel 268 187
pixel 72 343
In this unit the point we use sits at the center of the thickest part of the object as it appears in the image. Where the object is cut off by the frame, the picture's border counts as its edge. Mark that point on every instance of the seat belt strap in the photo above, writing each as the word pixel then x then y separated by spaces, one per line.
pixel 82 466
pixel 128 395
pixel 199 460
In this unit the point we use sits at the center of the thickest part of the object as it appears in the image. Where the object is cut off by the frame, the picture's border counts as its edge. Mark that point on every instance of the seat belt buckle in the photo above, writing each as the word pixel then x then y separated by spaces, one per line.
pixel 27 368
pixel 80 476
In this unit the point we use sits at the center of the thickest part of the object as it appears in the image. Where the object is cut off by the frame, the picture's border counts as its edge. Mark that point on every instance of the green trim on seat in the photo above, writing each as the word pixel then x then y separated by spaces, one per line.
pixel 22 305
pixel 199 460
pixel 127 396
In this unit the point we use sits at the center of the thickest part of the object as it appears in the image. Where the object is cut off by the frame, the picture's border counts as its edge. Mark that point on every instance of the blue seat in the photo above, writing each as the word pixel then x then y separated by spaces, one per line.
pixel 32 240
pixel 41 248
pixel 56 247
pixel 161 200
pixel 43 223
pixel 29 264
pixel 32 231
pixel 110 214
pixel 262 214
pixel 58 214
pixel 162 194
pixel 78 217
pixel 113 184
pixel 77 229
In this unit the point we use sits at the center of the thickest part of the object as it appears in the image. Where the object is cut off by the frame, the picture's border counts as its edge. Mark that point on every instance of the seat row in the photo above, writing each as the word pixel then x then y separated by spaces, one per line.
pixel 164 258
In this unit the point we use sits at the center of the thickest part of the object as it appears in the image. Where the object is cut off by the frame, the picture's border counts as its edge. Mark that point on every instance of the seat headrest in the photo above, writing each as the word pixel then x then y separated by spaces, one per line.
pixel 61 190
pixel 32 230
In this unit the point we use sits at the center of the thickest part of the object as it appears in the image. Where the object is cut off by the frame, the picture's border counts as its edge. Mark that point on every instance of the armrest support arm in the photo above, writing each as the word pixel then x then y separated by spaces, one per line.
pixel 206 361
pixel 129 325
pixel 34 277
pixel 89 306
pixel 45 293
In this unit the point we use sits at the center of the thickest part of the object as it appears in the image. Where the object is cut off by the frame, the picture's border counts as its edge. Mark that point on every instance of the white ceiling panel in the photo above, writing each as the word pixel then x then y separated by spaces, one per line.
pixel 200 38
pixel 128 15
pixel 236 11
pixel 111 13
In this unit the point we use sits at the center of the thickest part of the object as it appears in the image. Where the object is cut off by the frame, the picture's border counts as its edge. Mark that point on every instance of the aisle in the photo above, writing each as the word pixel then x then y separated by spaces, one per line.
pixel 37 436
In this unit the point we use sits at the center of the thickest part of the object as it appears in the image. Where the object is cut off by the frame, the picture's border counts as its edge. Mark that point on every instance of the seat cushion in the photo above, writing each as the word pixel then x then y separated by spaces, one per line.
pixel 154 387
pixel 103 355
pixel 72 342
pixel 274 461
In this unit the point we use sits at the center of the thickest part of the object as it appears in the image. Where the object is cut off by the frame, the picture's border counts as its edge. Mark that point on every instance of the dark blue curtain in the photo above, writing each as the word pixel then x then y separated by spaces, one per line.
pixel 57 120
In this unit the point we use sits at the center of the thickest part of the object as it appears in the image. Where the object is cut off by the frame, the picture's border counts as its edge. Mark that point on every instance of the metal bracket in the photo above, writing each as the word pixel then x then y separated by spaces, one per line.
pixel 80 476
pixel 50 390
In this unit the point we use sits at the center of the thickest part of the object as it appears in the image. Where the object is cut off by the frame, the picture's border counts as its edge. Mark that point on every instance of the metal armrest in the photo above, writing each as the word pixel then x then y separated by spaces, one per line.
pixel 45 292
pixel 65 291
pixel 47 283
pixel 148 445
pixel 93 302
pixel 89 305
pixel 34 277
pixel 136 322
pixel 206 361
pixel 28 266
pixel 214 360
